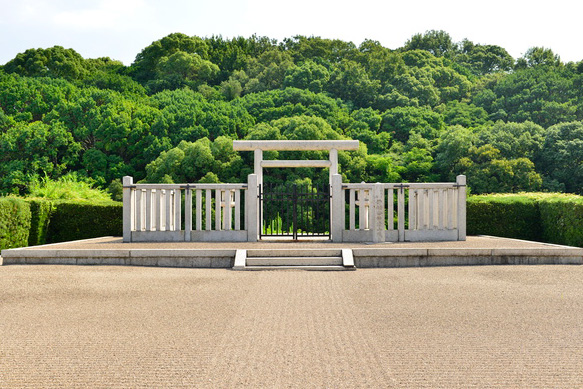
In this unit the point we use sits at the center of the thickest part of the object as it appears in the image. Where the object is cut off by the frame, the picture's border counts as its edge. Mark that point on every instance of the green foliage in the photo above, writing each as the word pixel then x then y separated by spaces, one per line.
pixel 438 43
pixel 14 222
pixel 562 155
pixel 41 211
pixel 56 62
pixel 511 216
pixel 562 220
pixel 548 217
pixel 27 150
pixel 484 59
pixel 73 220
pixel 429 110
pixel 401 121
pixel 69 187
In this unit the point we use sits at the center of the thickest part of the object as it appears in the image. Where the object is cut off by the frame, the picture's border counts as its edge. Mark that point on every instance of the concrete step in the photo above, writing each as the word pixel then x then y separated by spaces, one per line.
pixel 278 259
pixel 294 261
pixel 294 253
pixel 311 267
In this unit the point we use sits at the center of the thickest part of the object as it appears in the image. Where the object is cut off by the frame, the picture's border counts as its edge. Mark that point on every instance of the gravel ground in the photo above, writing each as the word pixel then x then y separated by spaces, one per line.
pixel 104 326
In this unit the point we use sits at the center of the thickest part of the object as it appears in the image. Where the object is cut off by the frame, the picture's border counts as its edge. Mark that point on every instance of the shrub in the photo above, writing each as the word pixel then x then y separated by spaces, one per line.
pixel 41 212
pixel 68 187
pixel 72 220
pixel 511 216
pixel 562 220
pixel 14 222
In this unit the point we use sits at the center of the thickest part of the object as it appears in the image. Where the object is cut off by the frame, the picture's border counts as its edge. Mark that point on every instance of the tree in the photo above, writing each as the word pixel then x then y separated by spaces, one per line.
pixel 562 155
pixel 182 69
pixel 145 67
pixel 56 62
pixel 514 140
pixel 489 173
pixel 308 75
pixel 350 82
pixel 34 150
pixel 438 43
pixel 455 144
pixel 484 59
pixel 400 122
pixel 309 48
pixel 267 71
pixel 540 56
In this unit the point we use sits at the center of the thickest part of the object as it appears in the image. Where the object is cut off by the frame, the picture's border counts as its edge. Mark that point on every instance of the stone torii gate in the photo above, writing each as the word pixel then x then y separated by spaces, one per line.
pixel 258 146
pixel 335 180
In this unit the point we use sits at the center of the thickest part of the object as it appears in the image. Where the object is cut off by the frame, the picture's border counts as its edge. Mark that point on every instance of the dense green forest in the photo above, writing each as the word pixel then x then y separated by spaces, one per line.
pixel 427 111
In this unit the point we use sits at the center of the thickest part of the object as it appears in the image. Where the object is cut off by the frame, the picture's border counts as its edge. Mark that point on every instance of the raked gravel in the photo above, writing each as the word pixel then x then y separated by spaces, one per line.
pixel 444 327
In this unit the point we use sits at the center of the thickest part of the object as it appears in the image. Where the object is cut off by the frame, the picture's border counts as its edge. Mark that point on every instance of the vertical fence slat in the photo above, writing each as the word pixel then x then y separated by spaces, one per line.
pixel 177 210
pixel 351 210
pixel 148 209
pixel 454 208
pixel 218 198
pixel 228 215
pixel 237 210
pixel 187 213
pixel 168 209
pixel 155 210
pixel 391 209
pixel 401 213
pixel 441 208
pixel 198 209
pixel 361 210
pixel 139 218
pixel 430 208
pixel 413 203
pixel 421 209
pixel 208 210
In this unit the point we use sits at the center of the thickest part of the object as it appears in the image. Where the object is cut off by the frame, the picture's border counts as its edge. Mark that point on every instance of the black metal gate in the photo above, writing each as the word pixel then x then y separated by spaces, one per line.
pixel 295 210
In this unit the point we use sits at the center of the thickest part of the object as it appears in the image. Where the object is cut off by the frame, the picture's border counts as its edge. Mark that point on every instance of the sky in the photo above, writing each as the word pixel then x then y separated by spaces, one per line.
pixel 120 29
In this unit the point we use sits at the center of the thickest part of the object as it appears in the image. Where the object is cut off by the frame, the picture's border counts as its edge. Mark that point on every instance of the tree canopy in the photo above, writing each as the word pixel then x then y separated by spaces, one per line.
pixel 429 110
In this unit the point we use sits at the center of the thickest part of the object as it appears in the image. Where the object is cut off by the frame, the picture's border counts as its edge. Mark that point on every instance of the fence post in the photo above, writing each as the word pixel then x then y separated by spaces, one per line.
pixel 378 213
pixel 251 208
pixel 336 209
pixel 461 206
pixel 127 208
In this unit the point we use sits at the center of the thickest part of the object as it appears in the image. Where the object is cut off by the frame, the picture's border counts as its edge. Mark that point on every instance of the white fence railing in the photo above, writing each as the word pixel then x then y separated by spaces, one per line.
pixel 403 212
pixel 184 212
pixel 359 212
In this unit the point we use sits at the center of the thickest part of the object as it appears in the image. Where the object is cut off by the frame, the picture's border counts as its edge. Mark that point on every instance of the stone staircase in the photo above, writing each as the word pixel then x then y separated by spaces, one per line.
pixel 294 259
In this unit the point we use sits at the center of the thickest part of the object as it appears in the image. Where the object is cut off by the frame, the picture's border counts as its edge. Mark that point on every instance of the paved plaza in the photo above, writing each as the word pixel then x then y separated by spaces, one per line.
pixel 116 326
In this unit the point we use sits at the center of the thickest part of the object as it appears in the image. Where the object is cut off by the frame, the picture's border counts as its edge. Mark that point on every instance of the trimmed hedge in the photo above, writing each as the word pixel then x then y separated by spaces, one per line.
pixel 562 220
pixel 41 212
pixel 33 221
pixel 14 222
pixel 507 216
pixel 72 220
pixel 547 217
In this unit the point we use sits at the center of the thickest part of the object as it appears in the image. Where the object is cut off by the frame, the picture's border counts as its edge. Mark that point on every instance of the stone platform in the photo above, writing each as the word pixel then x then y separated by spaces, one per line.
pixel 476 250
